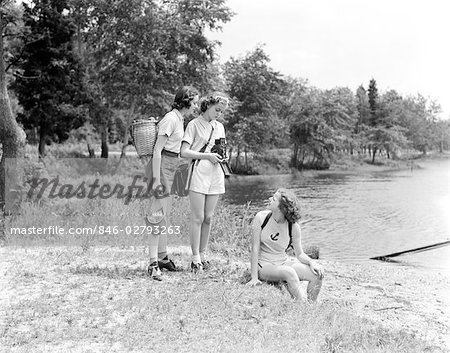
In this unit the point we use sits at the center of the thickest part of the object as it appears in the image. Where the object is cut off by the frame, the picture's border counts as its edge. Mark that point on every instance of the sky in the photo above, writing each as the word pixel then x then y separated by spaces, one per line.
pixel 404 45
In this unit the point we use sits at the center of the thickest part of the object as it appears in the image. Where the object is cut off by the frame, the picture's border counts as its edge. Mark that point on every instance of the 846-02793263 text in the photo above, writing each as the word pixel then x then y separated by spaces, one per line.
pixel 97 229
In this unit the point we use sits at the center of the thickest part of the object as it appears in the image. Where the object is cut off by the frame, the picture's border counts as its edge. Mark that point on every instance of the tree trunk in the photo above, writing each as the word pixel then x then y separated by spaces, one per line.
pixel 374 153
pixel 230 154
pixel 128 120
pixel 12 139
pixel 313 161
pixel 302 160
pixel 42 143
pixel 246 161
pixel 295 156
pixel 91 150
pixel 104 147
pixel 238 157
pixel 125 143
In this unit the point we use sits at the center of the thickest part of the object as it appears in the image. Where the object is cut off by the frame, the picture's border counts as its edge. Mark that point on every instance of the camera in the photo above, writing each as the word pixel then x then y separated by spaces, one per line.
pixel 220 148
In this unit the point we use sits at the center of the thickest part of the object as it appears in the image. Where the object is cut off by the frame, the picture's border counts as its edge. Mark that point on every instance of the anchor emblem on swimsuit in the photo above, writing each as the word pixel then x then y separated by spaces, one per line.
pixel 274 237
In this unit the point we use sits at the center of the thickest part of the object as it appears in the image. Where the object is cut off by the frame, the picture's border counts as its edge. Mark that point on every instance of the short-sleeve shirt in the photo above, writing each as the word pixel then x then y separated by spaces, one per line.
pixel 274 239
pixel 207 178
pixel 172 126
pixel 198 131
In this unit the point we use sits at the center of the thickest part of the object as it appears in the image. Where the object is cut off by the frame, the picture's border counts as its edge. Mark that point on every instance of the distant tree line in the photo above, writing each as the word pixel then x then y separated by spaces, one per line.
pixel 89 67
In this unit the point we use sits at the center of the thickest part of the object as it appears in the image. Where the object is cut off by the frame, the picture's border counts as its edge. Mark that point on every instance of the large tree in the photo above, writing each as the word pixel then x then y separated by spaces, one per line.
pixel 383 132
pixel 307 127
pixel 254 83
pixel 321 121
pixel 256 90
pixel 372 93
pixel 48 77
pixel 139 51
pixel 339 110
pixel 362 104
pixel 417 116
pixel 12 137
pixel 443 135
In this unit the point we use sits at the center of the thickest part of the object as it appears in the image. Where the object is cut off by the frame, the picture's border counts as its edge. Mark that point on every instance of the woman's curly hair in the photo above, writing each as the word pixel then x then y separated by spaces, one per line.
pixel 184 97
pixel 212 99
pixel 289 205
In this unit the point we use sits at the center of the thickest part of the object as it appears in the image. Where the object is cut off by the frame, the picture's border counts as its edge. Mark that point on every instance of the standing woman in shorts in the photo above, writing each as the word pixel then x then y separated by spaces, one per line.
pixel 161 170
pixel 269 260
pixel 208 180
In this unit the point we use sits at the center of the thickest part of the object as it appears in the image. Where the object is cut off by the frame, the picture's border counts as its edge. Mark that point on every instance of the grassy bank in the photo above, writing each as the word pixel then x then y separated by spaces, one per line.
pixel 91 294
pixel 60 299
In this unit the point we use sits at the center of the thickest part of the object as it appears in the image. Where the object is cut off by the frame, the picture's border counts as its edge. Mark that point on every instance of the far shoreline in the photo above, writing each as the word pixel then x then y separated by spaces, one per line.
pixel 353 165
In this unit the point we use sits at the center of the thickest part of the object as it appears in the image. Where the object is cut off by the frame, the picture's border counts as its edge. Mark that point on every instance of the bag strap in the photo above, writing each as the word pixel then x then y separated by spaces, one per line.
pixel 264 223
pixel 290 236
pixel 204 147
pixel 209 139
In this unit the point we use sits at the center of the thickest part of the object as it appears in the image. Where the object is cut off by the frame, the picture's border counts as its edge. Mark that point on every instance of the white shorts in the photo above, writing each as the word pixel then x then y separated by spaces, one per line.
pixel 207 178
pixel 290 261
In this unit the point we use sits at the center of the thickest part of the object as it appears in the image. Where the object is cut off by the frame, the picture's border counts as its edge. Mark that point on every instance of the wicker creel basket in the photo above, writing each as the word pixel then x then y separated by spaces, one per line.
pixel 144 133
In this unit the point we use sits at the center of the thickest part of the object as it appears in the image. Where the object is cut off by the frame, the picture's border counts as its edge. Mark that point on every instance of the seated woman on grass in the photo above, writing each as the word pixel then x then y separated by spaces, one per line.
pixel 274 230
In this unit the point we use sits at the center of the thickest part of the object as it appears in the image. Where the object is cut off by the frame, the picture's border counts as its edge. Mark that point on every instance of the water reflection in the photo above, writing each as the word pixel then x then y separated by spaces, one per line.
pixel 358 216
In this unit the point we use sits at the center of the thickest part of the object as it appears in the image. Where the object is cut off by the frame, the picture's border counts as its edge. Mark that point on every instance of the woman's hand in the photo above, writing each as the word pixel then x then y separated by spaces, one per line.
pixel 157 188
pixel 316 268
pixel 214 158
pixel 253 282
pixel 156 182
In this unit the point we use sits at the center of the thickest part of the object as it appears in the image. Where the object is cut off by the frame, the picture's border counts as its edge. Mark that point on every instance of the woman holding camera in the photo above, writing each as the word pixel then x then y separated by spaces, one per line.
pixel 207 177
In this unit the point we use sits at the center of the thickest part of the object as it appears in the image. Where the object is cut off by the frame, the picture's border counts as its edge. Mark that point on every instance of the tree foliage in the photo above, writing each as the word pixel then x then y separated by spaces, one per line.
pixel 48 83
pixel 138 52
pixel 256 90
pixel 320 123
pixel 106 62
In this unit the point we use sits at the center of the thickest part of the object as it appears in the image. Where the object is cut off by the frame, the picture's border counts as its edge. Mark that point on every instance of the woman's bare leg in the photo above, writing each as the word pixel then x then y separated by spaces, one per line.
pixel 197 202
pixel 274 273
pixel 314 282
pixel 210 206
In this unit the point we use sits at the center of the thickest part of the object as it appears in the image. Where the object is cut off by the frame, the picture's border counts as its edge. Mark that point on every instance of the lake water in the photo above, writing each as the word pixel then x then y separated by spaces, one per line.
pixel 356 216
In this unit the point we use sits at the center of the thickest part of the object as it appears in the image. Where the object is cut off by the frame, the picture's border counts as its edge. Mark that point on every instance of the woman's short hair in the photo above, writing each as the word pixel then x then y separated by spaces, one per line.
pixel 289 205
pixel 184 97
pixel 212 99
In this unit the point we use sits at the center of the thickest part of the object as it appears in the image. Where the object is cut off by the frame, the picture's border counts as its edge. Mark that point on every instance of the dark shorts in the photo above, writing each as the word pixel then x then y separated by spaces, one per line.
pixel 169 165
